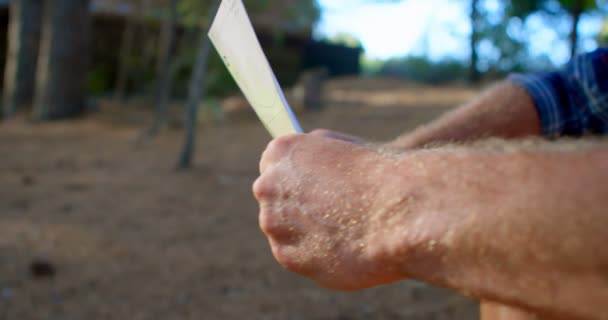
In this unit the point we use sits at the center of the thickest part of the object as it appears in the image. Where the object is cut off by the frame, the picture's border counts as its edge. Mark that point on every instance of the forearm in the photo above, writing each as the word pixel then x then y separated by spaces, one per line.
pixel 521 227
pixel 504 110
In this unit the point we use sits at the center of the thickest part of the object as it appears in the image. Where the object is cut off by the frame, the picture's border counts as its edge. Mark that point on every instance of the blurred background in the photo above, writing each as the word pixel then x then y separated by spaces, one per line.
pixel 128 152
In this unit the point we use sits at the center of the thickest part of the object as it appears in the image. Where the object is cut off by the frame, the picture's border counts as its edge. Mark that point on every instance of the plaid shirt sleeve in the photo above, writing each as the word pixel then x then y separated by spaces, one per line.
pixel 574 100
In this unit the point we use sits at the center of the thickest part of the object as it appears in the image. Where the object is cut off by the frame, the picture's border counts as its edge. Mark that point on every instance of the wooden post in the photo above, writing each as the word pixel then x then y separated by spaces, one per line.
pixel 61 82
pixel 23 44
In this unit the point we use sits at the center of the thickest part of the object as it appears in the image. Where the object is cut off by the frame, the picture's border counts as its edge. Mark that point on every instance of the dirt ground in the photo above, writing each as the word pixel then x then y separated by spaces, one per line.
pixel 94 227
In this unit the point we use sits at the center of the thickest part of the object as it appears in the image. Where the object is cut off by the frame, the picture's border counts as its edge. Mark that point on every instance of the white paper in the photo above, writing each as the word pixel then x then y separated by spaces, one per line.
pixel 233 36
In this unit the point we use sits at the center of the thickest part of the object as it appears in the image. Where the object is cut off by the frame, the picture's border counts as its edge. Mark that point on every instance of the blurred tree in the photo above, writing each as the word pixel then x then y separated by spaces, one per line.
pixel 284 15
pixel 345 39
pixel 196 91
pixel 275 15
pixel 574 8
pixel 63 60
pixel 23 47
pixel 421 69
pixel 500 33
pixel 126 48
pixel 523 8
pixel 163 70
pixel 474 74
pixel 302 14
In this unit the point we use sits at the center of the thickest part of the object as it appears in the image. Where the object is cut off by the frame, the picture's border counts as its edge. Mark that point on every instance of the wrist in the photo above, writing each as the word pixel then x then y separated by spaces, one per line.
pixel 434 190
pixel 409 208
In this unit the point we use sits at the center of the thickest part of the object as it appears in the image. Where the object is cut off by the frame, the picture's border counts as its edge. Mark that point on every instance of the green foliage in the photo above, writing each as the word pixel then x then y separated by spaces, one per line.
pixel 219 81
pixel 502 35
pixel 586 5
pixel 304 13
pixel 345 39
pixel 371 67
pixel 301 14
pixel 258 5
pixel 99 80
pixel 191 12
pixel 603 35
pixel 192 19
pixel 512 51
pixel 524 8
pixel 421 69
pixel 194 12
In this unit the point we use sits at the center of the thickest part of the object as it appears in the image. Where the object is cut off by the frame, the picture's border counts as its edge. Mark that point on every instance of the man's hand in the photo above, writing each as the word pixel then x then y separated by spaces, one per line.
pixel 327 210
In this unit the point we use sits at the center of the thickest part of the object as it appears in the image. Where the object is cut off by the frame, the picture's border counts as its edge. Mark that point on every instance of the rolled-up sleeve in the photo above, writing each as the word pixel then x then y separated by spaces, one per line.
pixel 574 100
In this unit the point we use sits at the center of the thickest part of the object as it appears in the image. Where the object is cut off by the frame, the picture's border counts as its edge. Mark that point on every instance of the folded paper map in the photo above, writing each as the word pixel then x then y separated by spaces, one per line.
pixel 233 36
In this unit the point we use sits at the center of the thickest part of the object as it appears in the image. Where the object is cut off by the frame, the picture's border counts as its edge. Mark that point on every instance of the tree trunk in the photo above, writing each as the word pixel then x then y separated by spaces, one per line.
pixel 149 44
pixel 126 50
pixel 474 74
pixel 577 10
pixel 196 91
pixel 163 71
pixel 22 55
pixel 63 61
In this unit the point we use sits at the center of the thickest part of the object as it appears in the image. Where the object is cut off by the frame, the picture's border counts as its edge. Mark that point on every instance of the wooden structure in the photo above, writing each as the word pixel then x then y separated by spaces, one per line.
pixel 288 45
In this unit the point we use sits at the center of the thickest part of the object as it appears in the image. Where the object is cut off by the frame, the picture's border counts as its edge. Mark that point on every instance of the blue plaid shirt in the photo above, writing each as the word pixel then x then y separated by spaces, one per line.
pixel 574 100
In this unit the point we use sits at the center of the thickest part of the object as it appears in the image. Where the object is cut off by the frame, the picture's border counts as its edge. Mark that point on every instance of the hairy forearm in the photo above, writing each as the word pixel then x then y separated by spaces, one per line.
pixel 504 110
pixel 523 225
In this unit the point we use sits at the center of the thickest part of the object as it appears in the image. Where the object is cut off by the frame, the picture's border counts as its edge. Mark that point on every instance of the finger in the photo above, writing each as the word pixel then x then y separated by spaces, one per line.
pixel 277 227
pixel 292 258
pixel 263 189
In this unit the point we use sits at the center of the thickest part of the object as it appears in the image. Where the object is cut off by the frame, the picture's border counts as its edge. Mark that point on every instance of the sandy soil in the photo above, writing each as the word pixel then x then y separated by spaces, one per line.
pixel 114 233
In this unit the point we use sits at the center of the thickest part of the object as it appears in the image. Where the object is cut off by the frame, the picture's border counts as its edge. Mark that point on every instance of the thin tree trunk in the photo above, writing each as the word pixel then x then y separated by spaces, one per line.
pixel 163 72
pixel 577 10
pixel 195 94
pixel 63 60
pixel 22 55
pixel 126 51
pixel 150 41
pixel 474 74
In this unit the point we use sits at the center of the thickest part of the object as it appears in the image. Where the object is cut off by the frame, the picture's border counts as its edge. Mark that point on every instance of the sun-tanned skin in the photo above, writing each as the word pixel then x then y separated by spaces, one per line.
pixel 519 223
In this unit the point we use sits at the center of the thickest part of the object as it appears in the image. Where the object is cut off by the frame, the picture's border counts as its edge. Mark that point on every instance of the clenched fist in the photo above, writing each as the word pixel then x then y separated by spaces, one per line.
pixel 335 211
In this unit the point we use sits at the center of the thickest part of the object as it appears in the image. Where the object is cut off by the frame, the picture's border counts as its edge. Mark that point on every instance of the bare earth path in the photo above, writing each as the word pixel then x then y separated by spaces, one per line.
pixel 129 238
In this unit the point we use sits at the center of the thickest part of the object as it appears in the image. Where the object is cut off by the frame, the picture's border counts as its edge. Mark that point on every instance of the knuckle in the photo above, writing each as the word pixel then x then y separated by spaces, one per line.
pixel 282 144
pixel 284 256
pixel 276 150
pixel 263 189
pixel 269 223
pixel 276 228
pixel 265 222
